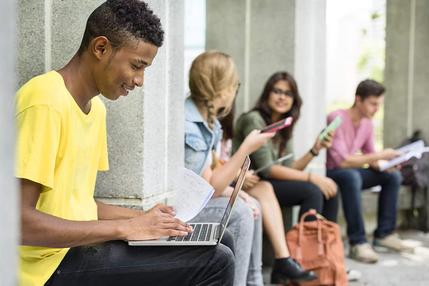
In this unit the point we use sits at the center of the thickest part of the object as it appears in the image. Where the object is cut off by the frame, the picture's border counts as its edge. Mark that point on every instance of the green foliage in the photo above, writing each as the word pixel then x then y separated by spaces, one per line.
pixel 375 15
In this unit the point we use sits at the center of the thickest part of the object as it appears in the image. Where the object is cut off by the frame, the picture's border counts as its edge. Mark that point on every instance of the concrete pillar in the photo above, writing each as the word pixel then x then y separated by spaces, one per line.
pixel 9 203
pixel 310 73
pixel 267 36
pixel 144 128
pixel 258 34
pixel 31 40
pixel 407 70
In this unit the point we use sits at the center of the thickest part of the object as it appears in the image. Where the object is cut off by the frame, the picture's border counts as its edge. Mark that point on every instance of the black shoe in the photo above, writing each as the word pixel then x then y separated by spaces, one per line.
pixel 288 269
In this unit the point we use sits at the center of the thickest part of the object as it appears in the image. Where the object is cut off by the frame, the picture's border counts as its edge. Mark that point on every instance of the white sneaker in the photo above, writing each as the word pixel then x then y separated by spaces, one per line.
pixel 353 275
pixel 363 253
pixel 393 242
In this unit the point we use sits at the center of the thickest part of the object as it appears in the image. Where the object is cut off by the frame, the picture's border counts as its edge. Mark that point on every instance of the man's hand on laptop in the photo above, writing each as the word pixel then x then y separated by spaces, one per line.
pixel 157 222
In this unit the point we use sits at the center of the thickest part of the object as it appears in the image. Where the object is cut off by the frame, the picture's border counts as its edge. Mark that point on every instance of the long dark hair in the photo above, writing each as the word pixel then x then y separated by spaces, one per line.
pixel 262 104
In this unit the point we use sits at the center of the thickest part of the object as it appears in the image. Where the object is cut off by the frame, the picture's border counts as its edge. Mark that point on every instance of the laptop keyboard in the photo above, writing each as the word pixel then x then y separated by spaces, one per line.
pixel 202 232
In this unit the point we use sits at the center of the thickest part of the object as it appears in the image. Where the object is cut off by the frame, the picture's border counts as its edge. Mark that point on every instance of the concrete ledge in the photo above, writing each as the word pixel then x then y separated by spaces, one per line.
pixel 370 200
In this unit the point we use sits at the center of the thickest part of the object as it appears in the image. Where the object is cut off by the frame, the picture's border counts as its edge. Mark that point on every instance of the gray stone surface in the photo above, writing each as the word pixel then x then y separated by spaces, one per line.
pixel 393 269
pixel 259 35
pixel 420 117
pixel 30 39
pixel 226 32
pixel 310 70
pixel 176 90
pixel 272 42
pixel 145 129
pixel 125 144
pixel 155 112
pixel 406 47
pixel 9 203
pixel 264 37
pixel 67 24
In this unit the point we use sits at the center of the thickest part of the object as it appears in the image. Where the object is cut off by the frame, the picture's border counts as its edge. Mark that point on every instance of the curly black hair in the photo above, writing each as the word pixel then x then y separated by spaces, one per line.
pixel 120 20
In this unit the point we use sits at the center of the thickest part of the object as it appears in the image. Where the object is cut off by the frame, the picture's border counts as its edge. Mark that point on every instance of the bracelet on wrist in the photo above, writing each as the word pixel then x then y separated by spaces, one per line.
pixel 314 153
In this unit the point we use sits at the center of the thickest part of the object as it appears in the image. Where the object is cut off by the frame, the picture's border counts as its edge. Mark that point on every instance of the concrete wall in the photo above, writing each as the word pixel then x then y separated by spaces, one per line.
pixel 142 127
pixel 268 36
pixel 258 34
pixel 9 202
pixel 145 130
pixel 407 70
pixel 310 68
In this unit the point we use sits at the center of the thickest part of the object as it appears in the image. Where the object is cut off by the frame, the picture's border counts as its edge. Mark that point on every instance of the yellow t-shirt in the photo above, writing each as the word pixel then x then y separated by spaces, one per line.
pixel 61 148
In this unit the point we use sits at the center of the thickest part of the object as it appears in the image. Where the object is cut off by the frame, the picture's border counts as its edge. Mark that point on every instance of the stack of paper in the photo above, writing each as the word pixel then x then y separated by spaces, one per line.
pixel 415 149
pixel 192 195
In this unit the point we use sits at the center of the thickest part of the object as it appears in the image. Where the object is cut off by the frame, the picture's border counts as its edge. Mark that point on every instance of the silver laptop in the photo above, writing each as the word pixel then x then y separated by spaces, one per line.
pixel 204 233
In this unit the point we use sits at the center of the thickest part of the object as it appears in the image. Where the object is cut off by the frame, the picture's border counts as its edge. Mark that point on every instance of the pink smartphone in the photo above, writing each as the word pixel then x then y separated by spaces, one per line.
pixel 279 125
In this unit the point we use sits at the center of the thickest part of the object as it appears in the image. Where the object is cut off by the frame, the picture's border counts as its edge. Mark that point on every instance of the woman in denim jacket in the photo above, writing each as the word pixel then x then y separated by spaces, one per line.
pixel 213 82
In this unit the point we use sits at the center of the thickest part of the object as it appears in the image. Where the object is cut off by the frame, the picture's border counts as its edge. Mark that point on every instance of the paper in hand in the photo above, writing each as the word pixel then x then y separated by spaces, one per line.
pixel 192 195
pixel 415 149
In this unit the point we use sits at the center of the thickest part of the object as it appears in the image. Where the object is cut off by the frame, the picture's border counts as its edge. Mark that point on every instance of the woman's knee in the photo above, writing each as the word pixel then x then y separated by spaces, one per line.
pixel 262 190
pixel 267 190
pixel 266 186
pixel 314 193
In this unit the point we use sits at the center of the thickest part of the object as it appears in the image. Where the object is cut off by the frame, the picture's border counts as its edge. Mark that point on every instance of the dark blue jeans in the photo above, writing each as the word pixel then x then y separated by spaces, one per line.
pixel 350 183
pixel 116 263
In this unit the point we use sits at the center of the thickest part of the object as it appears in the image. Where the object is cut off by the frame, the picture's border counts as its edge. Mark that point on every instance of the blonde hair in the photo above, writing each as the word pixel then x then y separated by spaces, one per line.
pixel 211 73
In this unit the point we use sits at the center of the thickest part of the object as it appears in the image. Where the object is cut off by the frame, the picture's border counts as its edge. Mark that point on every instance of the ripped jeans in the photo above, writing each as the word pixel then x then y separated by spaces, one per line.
pixel 247 235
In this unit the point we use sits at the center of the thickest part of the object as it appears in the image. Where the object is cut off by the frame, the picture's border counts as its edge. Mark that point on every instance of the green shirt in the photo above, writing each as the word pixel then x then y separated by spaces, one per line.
pixel 269 152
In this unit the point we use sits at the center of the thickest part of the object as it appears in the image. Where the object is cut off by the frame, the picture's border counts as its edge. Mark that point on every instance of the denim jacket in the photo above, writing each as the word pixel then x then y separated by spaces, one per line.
pixel 200 140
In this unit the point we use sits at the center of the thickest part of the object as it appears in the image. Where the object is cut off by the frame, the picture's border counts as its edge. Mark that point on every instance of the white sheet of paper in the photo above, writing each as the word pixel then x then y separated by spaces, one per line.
pixel 412 147
pixel 415 149
pixel 192 195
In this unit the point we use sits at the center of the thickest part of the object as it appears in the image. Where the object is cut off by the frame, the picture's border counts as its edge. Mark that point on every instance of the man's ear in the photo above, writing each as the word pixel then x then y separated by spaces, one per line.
pixel 100 47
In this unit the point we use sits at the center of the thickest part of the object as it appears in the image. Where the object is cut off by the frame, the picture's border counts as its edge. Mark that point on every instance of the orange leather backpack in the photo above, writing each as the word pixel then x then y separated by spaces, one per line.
pixel 317 246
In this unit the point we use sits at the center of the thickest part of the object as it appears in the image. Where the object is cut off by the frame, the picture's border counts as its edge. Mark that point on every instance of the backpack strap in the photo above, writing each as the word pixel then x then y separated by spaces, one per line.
pixel 320 251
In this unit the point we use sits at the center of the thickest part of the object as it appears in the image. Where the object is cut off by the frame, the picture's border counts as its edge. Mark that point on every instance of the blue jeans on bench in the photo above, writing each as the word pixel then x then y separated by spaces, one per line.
pixel 350 183
pixel 116 263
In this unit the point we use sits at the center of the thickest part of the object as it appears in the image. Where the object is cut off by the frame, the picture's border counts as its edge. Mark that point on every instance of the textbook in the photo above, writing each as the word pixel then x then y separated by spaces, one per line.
pixel 192 195
pixel 415 149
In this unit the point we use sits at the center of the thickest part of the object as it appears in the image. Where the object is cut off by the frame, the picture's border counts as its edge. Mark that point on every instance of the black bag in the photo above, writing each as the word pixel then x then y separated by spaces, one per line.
pixel 415 173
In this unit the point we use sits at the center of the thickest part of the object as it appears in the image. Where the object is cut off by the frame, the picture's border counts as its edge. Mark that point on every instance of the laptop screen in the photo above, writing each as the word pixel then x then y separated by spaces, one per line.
pixel 234 194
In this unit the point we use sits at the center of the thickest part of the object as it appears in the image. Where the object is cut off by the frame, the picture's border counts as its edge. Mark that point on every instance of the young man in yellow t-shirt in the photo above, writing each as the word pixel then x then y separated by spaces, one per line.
pixel 68 238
